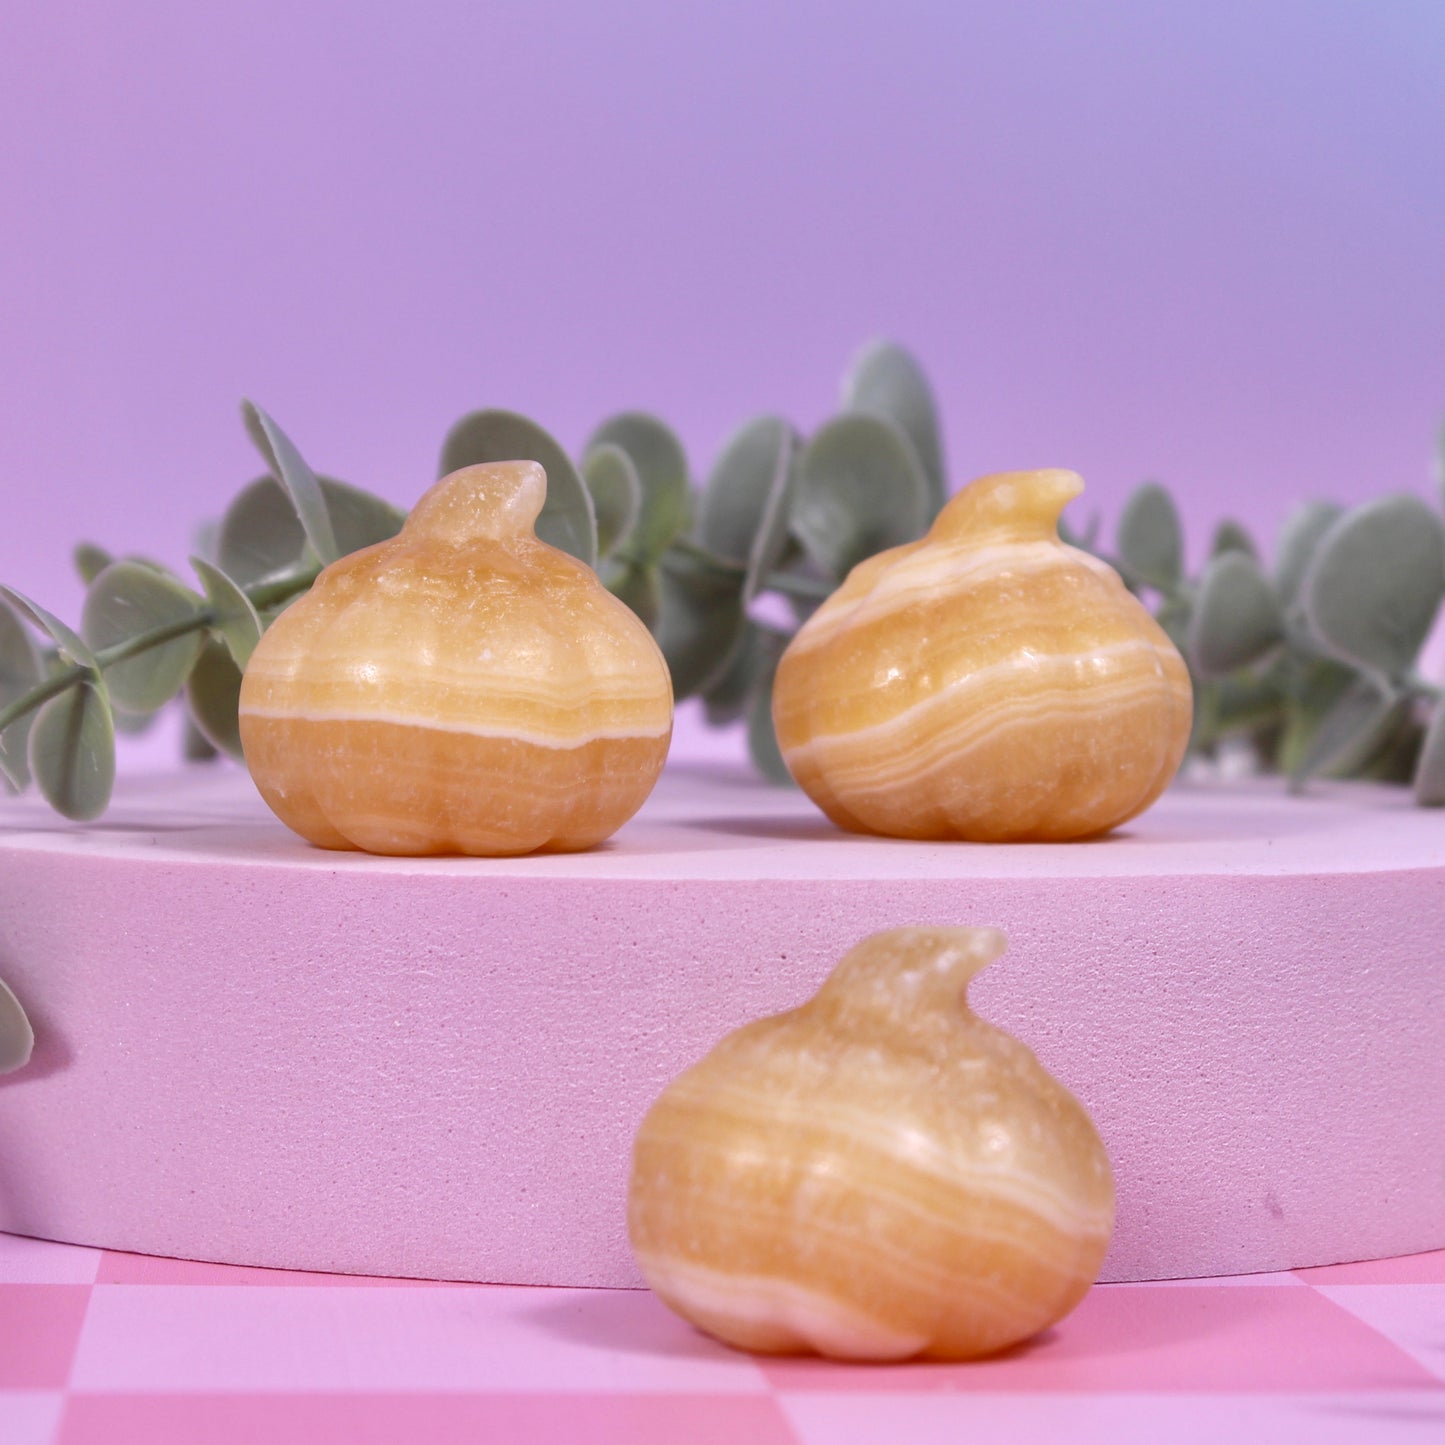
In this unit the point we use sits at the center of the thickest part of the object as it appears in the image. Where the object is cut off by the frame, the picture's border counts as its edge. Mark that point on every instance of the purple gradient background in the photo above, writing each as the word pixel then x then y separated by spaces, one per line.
pixel 1200 243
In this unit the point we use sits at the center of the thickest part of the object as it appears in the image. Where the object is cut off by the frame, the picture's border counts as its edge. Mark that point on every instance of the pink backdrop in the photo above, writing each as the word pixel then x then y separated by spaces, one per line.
pixel 1205 244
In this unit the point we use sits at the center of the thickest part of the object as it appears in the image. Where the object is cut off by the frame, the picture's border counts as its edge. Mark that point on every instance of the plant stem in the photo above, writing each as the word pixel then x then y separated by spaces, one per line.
pixel 281 587
pixel 144 641
pixel 41 693
pixel 266 594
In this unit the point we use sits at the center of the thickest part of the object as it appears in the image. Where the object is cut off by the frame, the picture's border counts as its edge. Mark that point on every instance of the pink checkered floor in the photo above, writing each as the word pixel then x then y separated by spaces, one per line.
pixel 116 1348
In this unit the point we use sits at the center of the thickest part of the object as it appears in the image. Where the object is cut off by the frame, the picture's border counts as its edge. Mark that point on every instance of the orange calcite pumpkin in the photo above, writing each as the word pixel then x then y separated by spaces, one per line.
pixel 986 682
pixel 878 1174
pixel 461 688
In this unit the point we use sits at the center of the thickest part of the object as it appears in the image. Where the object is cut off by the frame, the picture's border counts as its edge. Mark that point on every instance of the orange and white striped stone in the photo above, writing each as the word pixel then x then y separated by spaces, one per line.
pixel 461 688
pixel 878 1174
pixel 986 682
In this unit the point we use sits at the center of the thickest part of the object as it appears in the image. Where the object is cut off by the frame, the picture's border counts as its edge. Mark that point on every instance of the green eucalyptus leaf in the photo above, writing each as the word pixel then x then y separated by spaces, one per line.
pixel 196 747
pixel 20 662
pixel 567 521
pixel 1349 732
pixel 747 503
pixel 1312 686
pixel 302 485
pixel 358 518
pixel 1237 618
pixel 1430 767
pixel 1151 540
pixel 17 1038
pixel 1230 536
pixel 1176 617
pixel 729 694
pixel 774 544
pixel 154 566
pixel 132 724
pixel 639 585
pixel 701 618
pixel 739 486
pixel 1298 541
pixel 213 695
pixel 260 534
pixel 72 751
pixel 21 669
pixel 90 561
pixel 236 621
pixel 763 746
pixel 14 756
pixel 616 494
pixel 859 490
pixel 1204 729
pixel 1375 584
pixel 1243 704
pixel 1374 755
pixel 129 599
pixel 21 666
pixel 1394 759
pixel 72 648
pixel 800 581
pixel 661 466
pixel 885 380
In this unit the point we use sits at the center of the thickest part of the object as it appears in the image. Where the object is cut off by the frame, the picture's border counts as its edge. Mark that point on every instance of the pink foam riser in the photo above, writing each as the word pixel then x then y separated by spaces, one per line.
pixel 256 1052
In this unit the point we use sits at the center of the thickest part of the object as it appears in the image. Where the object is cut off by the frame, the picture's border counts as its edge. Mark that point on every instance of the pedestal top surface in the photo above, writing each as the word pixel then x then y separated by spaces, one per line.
pixel 720 823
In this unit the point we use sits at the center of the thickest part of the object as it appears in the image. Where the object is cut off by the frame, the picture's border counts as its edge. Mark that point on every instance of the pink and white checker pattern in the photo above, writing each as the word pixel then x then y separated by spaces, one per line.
pixel 122 1349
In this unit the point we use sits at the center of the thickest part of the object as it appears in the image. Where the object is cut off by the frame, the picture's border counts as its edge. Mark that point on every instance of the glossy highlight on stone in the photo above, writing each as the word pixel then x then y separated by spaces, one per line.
pixel 986 682
pixel 877 1175
pixel 461 688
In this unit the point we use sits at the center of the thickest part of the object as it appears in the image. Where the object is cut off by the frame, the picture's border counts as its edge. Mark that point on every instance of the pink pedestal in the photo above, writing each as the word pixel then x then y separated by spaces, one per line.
pixel 256 1052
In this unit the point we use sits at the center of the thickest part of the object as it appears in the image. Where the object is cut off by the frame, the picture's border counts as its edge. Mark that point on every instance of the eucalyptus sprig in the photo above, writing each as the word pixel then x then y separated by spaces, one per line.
pixel 146 636
pixel 1311 663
